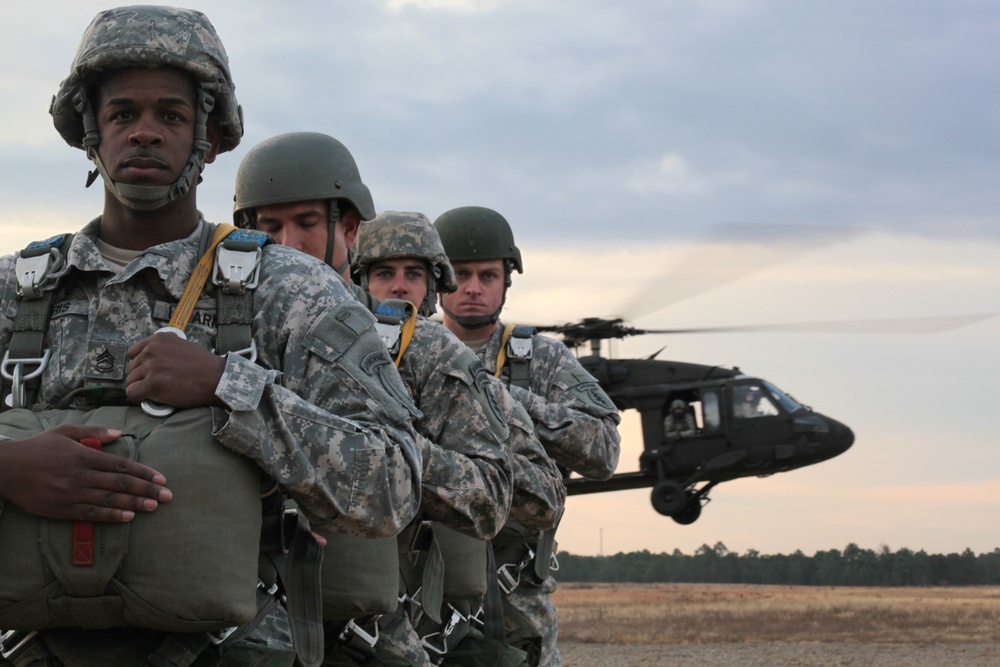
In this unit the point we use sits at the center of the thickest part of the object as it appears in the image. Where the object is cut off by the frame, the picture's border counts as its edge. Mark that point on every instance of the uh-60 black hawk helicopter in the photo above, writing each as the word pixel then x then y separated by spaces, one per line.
pixel 744 426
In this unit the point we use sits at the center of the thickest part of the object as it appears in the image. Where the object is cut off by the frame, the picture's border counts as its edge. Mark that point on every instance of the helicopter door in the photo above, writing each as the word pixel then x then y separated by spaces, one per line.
pixel 757 419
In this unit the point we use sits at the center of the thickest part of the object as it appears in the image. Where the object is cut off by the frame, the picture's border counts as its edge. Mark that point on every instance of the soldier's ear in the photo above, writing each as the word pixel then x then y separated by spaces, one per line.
pixel 351 223
pixel 214 136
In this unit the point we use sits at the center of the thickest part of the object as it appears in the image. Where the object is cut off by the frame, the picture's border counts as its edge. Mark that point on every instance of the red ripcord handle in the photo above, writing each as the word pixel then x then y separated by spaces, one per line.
pixel 83 531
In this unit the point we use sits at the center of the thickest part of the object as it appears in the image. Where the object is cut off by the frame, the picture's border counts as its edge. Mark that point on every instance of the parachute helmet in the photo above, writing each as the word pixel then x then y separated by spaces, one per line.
pixel 300 166
pixel 393 234
pixel 148 37
pixel 475 234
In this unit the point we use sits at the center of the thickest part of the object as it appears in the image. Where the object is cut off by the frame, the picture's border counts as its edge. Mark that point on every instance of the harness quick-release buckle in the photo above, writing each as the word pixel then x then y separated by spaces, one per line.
pixel 509 574
pixel 34 270
pixel 237 268
pixel 13 642
pixel 13 370
pixel 427 640
pixel 356 630
pixel 222 635
pixel 519 348
pixel 390 335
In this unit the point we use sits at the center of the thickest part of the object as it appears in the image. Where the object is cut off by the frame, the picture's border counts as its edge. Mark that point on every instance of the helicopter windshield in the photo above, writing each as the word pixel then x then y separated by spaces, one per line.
pixel 787 402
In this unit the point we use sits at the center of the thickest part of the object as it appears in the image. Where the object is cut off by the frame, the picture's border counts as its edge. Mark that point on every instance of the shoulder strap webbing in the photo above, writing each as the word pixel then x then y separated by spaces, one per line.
pixel 37 270
pixel 516 352
pixel 237 272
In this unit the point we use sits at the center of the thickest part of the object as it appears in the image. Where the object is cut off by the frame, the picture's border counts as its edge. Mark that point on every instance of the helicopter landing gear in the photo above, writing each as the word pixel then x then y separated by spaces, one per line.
pixel 669 497
pixel 691 510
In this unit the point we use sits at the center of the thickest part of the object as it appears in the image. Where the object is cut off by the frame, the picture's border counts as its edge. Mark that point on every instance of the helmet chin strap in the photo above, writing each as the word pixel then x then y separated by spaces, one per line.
pixel 148 197
pixel 473 322
pixel 331 234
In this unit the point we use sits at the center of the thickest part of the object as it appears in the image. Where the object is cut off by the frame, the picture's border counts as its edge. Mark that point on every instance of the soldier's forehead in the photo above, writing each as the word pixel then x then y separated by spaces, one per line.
pixel 165 75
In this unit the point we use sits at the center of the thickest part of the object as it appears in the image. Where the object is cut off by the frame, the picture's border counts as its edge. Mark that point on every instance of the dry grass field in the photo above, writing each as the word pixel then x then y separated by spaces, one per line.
pixel 723 624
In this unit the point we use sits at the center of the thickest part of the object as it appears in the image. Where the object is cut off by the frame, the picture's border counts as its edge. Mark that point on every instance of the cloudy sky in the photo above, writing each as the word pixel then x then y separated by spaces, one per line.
pixel 622 140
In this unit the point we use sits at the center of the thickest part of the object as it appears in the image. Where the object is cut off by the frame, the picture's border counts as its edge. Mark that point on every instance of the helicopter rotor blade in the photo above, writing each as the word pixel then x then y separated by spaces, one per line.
pixel 740 250
pixel 918 325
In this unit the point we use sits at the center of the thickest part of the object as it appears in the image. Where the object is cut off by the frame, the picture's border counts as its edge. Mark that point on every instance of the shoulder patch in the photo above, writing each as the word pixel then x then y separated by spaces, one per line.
pixel 336 329
pixel 483 382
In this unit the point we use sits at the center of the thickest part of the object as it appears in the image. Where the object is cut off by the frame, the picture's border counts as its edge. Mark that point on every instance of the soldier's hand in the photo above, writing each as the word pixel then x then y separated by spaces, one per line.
pixel 168 369
pixel 52 475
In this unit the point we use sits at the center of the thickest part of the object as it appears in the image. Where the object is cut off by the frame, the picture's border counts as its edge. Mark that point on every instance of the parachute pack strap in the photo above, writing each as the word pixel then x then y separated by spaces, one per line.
pixel 408 326
pixel 395 322
pixel 185 307
pixel 301 580
pixel 546 548
pixel 236 273
pixel 502 356
pixel 493 624
pixel 432 582
pixel 37 269
pixel 516 352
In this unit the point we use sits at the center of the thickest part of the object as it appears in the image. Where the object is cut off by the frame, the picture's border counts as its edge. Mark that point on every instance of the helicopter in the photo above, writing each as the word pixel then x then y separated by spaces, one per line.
pixel 745 425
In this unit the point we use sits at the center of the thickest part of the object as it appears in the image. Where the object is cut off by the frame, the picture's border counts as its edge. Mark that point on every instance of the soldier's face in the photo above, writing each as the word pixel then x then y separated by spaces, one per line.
pixel 399 278
pixel 480 288
pixel 302 225
pixel 146 121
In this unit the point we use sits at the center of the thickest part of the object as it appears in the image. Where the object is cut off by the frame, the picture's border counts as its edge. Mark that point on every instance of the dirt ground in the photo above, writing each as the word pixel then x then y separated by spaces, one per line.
pixel 579 654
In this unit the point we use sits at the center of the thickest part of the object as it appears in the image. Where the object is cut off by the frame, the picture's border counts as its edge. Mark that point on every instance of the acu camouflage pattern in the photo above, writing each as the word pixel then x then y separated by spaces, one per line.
pixel 323 411
pixel 573 417
pixel 148 36
pixel 395 234
pixel 467 477
pixel 539 494
pixel 578 425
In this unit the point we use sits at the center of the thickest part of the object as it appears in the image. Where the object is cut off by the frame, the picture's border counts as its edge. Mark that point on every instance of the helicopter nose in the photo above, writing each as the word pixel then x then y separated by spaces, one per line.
pixel 841 436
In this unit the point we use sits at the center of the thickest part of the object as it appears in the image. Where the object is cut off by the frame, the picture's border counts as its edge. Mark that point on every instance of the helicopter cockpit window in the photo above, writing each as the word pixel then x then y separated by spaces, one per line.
pixel 787 402
pixel 750 401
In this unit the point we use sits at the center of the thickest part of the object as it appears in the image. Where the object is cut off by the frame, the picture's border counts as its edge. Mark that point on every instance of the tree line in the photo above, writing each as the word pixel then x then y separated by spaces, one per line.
pixel 853 566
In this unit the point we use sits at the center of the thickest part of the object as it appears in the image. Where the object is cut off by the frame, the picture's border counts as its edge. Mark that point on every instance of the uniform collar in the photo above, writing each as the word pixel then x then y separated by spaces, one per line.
pixel 172 262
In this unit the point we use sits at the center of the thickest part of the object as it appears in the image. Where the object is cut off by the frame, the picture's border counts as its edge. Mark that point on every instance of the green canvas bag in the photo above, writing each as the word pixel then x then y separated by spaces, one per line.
pixel 360 576
pixel 188 566
pixel 464 564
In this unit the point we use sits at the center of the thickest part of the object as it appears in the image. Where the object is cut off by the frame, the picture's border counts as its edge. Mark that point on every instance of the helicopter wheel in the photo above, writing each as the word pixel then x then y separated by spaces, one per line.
pixel 668 497
pixel 691 511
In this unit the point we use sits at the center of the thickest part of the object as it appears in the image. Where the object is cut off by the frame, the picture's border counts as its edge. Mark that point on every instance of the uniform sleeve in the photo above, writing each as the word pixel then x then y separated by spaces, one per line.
pixel 574 419
pixel 467 477
pixel 539 493
pixel 323 411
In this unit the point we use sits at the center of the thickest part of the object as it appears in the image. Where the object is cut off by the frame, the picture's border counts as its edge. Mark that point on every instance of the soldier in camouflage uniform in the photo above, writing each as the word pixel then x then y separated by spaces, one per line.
pixel 574 419
pixel 399 256
pixel 322 411
pixel 463 428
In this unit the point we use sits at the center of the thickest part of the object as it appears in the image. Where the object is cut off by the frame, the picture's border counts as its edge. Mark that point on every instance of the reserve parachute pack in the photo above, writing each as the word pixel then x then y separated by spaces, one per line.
pixel 203 563
pixel 190 566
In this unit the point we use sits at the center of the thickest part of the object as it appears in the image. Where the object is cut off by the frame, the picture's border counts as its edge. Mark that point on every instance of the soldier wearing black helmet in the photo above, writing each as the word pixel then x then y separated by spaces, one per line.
pixel 285 185
pixel 151 100
pixel 574 419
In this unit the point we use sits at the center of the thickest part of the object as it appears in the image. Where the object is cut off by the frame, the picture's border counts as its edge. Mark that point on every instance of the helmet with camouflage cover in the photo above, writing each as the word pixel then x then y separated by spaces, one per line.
pixel 148 37
pixel 476 234
pixel 393 235
pixel 300 166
